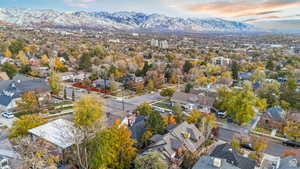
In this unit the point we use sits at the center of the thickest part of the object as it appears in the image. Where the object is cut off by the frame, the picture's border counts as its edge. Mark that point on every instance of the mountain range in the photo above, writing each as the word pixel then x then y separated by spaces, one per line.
pixel 127 21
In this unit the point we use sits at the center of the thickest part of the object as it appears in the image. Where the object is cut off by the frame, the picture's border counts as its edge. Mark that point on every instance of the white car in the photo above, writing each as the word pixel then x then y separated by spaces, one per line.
pixel 8 115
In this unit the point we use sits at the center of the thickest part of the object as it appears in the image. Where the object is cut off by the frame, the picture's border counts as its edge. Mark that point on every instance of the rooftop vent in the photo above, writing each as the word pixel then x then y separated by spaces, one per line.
pixel 217 162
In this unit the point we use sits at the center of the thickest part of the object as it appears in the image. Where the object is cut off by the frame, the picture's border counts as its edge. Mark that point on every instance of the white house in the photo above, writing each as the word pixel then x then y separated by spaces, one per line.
pixel 221 61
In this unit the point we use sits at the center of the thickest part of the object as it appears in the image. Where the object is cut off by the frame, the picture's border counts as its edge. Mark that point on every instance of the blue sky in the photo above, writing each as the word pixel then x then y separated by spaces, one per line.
pixel 251 11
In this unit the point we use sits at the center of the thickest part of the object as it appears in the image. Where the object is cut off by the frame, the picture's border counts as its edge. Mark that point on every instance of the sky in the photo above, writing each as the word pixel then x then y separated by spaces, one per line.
pixel 257 12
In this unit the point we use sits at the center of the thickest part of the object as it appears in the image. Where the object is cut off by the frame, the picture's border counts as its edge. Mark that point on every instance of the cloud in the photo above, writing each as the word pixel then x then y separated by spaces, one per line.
pixel 261 19
pixel 237 8
pixel 80 3
pixel 256 13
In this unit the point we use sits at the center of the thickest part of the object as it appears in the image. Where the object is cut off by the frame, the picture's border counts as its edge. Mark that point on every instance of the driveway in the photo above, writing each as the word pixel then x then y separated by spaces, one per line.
pixel 7 122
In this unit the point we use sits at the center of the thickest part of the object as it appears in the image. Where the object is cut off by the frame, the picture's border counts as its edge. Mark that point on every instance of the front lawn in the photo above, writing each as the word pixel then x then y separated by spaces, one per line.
pixel 263 130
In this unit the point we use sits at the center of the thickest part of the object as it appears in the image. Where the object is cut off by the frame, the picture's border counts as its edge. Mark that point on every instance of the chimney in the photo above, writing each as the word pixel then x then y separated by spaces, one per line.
pixel 217 162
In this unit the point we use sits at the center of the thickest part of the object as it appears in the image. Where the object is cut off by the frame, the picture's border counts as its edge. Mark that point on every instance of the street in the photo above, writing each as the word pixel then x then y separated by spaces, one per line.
pixel 274 148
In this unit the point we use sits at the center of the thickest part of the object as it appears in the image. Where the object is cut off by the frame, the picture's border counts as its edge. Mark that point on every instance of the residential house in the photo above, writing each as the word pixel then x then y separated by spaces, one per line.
pixel 72 77
pixel 60 133
pixel 225 151
pixel 208 162
pixel 183 137
pixel 221 61
pixel 11 90
pixel 5 59
pixel 4 76
pixel 273 118
pixel 194 101
pixel 245 76
pixel 224 82
pixel 289 162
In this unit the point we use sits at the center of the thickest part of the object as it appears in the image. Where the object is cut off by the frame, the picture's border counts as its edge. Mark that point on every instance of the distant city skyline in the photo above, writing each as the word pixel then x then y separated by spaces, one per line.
pixel 257 12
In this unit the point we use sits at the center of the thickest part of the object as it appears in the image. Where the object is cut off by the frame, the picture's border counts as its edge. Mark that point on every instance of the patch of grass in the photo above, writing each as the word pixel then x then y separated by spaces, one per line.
pixel 263 130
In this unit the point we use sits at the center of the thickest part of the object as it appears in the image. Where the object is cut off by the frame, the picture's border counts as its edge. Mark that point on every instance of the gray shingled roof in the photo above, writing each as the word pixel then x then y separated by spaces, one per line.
pixel 225 151
pixel 206 162
pixel 169 143
pixel 19 85
pixel 277 113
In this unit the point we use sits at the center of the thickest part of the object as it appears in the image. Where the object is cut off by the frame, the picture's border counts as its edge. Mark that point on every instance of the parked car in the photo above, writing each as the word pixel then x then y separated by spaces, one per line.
pixel 221 114
pixel 291 143
pixel 229 119
pixel 247 146
pixel 7 115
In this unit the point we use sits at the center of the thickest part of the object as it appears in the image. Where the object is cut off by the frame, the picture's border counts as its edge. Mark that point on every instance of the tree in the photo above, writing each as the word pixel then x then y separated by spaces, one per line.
pixel 187 66
pixel 258 76
pixel 151 160
pixel 202 81
pixel 179 116
pixel 28 102
pixel 155 123
pixel 54 83
pixel 10 69
pixel 144 109
pixel 7 53
pixel 188 88
pixel 271 92
pixel 58 65
pixel 45 60
pixel 239 103
pixel 292 130
pixel 150 85
pixel 235 70
pixel 145 138
pixel 112 148
pixel 87 111
pixel 85 62
pixel 168 92
pixel 21 126
pixel 226 74
pixel 259 144
pixel 289 93
pixel 170 119
pixel 204 121
pixel 16 46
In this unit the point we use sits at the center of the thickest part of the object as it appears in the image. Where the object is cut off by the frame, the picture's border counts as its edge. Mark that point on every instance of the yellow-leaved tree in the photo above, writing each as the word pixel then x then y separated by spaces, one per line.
pixel 21 126
pixel 88 112
pixel 112 148
pixel 7 53
pixel 54 83
pixel 29 102
pixel 45 60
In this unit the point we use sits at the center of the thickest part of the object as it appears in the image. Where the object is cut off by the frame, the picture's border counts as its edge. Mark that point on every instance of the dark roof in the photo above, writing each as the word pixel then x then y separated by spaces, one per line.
pixel 11 89
pixel 183 135
pixel 225 151
pixel 206 162
pixel 138 127
pixel 276 113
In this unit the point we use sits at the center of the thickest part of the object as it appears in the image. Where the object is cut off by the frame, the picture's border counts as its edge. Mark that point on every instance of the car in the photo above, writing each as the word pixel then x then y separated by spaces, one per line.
pixel 8 115
pixel 247 146
pixel 229 119
pixel 221 115
pixel 291 143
